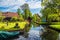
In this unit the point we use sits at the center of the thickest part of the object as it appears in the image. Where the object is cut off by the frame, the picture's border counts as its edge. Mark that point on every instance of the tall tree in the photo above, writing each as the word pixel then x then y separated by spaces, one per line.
pixel 27 12
pixel 18 11
pixel 50 7
pixel 36 18
pixel 20 14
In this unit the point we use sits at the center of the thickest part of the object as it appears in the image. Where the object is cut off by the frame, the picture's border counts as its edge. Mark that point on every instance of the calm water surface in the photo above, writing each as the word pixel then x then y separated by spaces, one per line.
pixel 38 32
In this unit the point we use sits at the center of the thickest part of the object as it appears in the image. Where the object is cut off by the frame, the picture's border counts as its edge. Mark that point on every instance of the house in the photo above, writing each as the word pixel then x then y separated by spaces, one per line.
pixel 10 14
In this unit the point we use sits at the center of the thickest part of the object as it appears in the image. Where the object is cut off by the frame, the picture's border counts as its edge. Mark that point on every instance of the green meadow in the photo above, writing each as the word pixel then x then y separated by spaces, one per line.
pixel 55 25
pixel 10 26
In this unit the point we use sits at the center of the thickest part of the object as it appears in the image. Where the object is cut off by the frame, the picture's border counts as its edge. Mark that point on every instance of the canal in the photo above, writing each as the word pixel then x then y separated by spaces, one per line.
pixel 39 32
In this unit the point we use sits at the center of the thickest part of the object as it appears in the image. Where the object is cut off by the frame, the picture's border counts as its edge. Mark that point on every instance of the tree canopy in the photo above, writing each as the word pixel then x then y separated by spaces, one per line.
pixel 50 7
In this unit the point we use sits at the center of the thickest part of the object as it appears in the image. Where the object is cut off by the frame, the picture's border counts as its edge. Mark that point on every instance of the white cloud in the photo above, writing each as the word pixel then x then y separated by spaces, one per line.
pixel 11 2
pixel 34 4
pixel 20 2
pixel 14 4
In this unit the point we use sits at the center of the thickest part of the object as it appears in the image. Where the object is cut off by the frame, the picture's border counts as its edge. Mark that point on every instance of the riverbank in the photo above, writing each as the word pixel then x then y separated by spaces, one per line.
pixel 10 25
pixel 55 25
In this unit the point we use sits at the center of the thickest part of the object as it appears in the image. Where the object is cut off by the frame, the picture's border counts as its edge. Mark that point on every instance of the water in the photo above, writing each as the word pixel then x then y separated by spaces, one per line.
pixel 33 34
pixel 38 32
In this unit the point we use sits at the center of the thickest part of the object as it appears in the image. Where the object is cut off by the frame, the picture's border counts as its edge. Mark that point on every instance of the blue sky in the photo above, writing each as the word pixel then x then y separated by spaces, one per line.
pixel 13 5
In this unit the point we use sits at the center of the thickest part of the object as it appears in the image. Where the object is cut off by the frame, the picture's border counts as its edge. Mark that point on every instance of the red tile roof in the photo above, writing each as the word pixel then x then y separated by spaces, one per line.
pixel 10 14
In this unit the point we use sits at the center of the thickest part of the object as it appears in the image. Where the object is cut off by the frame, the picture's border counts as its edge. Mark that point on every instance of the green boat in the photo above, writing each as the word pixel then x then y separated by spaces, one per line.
pixel 5 34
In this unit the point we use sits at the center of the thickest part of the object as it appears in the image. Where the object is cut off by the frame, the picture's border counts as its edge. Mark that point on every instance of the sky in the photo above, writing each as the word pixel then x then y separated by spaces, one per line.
pixel 13 5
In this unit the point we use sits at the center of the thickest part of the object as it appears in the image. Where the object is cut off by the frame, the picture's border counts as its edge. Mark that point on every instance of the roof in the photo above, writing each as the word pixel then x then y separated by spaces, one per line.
pixel 10 14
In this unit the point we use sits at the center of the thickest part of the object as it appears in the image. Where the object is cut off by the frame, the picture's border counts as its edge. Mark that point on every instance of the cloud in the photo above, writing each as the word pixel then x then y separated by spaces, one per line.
pixel 35 5
pixel 11 2
pixel 15 4
pixel 32 4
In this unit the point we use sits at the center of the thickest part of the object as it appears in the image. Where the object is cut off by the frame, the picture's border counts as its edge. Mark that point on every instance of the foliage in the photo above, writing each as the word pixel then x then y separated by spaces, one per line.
pixel 27 13
pixel 30 15
pixel 26 10
pixel 14 19
pixel 50 35
pixel 20 15
pixel 21 18
pixel 18 11
pixel 51 7
pixel 36 18
pixel 25 6
pixel 0 16
pixel 52 17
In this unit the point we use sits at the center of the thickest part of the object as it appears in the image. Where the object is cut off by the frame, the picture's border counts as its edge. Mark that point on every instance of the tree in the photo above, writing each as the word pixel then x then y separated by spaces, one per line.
pixel 18 11
pixel 26 10
pixel 50 35
pixel 25 6
pixel 30 15
pixel 26 13
pixel 20 15
pixel 14 19
pixel 0 16
pixel 36 18
pixel 50 7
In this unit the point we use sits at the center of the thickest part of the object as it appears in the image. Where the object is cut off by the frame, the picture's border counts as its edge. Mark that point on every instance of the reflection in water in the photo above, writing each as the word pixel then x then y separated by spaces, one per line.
pixel 31 33
pixel 50 35
pixel 34 33
pixel 37 32
pixel 59 36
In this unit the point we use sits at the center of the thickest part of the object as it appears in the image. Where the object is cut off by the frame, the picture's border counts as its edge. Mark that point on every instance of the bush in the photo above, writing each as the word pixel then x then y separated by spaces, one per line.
pixel 21 19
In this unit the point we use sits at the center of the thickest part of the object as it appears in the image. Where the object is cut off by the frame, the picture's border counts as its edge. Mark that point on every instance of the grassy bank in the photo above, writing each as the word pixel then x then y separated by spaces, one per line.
pixel 55 25
pixel 10 26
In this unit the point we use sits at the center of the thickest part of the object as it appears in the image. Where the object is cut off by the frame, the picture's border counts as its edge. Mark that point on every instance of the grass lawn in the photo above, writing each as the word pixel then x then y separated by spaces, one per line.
pixel 3 26
pixel 55 26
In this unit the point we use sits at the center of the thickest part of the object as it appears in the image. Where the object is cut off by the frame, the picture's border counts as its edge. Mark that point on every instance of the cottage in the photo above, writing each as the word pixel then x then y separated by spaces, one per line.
pixel 9 15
